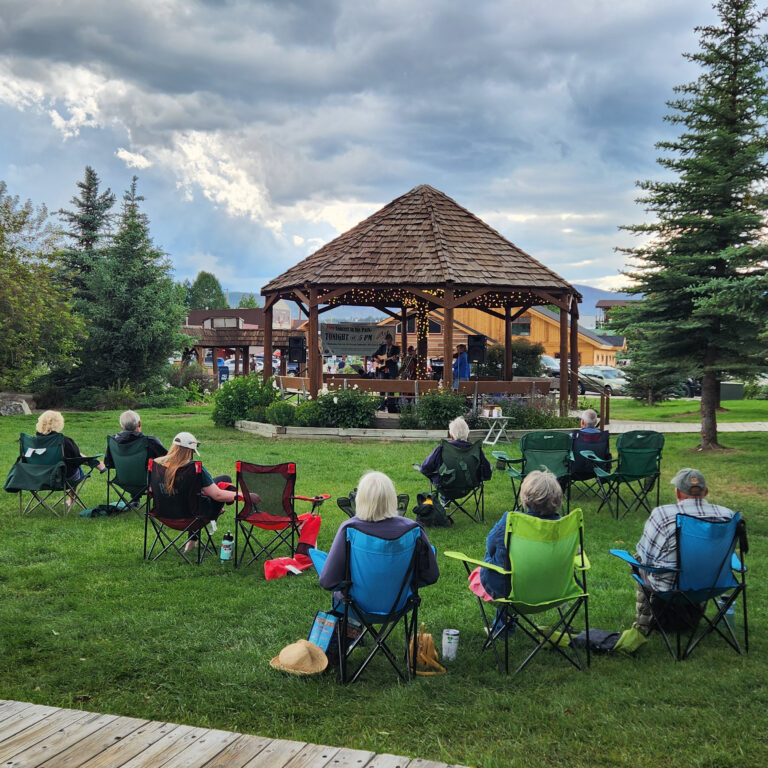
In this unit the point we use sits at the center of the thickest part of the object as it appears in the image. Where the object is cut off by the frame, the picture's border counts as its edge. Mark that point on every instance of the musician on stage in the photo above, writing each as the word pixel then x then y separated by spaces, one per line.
pixel 385 359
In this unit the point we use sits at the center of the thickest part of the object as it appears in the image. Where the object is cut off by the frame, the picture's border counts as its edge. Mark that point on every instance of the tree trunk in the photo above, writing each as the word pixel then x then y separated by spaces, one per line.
pixel 709 399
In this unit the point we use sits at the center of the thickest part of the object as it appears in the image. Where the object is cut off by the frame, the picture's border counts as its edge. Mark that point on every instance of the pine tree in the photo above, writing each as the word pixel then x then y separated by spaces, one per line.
pixel 135 323
pixel 248 301
pixel 702 269
pixel 206 293
pixel 88 226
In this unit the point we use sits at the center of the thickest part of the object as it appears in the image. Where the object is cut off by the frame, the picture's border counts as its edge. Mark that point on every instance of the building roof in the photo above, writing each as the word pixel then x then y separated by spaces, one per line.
pixel 249 316
pixel 609 303
pixel 604 341
pixel 422 238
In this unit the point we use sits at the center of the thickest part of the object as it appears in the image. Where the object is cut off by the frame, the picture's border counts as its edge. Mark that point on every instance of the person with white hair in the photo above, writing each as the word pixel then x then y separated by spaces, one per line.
pixel 589 421
pixel 458 430
pixel 376 515
pixel 130 421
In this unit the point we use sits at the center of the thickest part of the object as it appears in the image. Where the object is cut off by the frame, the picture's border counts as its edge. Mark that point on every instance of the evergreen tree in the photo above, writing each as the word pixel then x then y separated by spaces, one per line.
pixel 702 268
pixel 135 323
pixel 206 293
pixel 248 301
pixel 88 225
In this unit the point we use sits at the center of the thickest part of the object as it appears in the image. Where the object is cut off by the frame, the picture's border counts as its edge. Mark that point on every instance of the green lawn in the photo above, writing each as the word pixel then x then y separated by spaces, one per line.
pixel 84 622
pixel 687 410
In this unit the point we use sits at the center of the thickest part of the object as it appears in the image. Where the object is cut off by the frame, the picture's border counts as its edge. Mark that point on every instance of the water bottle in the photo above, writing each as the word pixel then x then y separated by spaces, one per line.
pixel 225 553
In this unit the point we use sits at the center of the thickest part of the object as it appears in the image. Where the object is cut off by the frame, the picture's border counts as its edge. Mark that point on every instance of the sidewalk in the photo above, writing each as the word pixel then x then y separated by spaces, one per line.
pixel 617 427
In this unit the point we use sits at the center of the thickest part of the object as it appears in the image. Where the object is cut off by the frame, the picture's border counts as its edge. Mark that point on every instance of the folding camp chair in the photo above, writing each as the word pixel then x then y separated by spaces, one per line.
pixel 581 471
pixel 546 451
pixel 41 471
pixel 547 573
pixel 174 518
pixel 709 576
pixel 379 591
pixel 274 516
pixel 638 466
pixel 128 478
pixel 459 481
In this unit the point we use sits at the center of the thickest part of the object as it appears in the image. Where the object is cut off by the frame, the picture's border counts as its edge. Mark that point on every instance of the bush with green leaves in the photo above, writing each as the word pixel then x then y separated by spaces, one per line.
pixel 309 414
pixel 238 396
pixel 118 396
pixel 539 413
pixel 526 357
pixel 348 409
pixel 170 398
pixel 409 417
pixel 280 413
pixel 438 409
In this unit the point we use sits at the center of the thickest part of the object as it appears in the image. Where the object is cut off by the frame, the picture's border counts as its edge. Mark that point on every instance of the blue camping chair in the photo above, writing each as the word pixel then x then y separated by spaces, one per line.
pixel 378 591
pixel 708 573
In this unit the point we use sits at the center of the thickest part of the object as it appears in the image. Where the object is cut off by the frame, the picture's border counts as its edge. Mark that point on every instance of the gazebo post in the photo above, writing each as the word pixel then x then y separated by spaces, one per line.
pixel 563 362
pixel 267 370
pixel 315 372
pixel 422 338
pixel 448 339
pixel 403 332
pixel 574 392
pixel 508 361
pixel 214 367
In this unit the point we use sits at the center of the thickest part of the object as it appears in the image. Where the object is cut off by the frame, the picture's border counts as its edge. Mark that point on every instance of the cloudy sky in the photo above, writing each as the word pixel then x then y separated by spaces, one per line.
pixel 260 130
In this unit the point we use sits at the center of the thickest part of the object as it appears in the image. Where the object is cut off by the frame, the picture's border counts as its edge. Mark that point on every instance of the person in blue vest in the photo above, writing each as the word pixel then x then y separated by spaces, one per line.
pixel 461 369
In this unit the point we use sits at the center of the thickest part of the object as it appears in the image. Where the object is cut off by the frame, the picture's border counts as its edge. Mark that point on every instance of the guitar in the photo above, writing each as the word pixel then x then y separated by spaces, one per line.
pixel 380 363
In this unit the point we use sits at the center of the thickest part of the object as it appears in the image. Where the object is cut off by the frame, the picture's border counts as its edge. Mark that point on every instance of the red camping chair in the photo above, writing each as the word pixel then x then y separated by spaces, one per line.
pixel 274 515
pixel 174 517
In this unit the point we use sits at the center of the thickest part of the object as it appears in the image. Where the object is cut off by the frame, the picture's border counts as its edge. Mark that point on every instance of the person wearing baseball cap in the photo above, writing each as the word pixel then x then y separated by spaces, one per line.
pixel 658 544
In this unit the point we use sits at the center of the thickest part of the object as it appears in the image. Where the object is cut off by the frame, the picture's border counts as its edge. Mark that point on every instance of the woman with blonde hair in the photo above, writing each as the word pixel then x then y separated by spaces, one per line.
pixel 52 422
pixel 376 515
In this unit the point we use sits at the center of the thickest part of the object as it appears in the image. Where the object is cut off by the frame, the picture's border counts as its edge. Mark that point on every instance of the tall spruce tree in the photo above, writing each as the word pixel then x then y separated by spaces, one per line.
pixel 206 293
pixel 135 323
pixel 88 224
pixel 702 269
pixel 248 301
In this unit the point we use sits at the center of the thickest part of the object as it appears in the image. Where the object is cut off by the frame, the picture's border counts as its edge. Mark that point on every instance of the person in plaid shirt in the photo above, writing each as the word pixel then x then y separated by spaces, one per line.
pixel 658 544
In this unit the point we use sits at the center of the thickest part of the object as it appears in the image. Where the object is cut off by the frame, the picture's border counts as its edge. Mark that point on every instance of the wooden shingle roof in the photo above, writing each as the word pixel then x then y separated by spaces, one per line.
pixel 422 238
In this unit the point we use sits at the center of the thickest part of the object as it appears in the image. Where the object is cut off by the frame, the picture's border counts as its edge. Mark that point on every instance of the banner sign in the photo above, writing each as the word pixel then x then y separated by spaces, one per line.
pixel 361 339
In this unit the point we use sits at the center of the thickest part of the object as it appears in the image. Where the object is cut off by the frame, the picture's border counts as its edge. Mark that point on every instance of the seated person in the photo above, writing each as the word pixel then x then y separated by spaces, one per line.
pixel 589 421
pixel 51 422
pixel 376 514
pixel 459 434
pixel 131 426
pixel 658 544
pixel 180 455
pixel 540 496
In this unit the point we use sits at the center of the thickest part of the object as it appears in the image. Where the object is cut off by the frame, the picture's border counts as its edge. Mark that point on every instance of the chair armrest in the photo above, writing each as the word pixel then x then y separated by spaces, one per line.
pixel 737 565
pixel 577 566
pixel 592 456
pixel 500 455
pixel 474 561
pixel 622 554
pixel 319 499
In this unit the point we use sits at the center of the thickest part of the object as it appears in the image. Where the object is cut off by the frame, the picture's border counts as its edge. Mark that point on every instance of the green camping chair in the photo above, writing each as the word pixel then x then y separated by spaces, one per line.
pixel 547 573
pixel 460 482
pixel 41 471
pixel 545 451
pixel 638 466
pixel 128 478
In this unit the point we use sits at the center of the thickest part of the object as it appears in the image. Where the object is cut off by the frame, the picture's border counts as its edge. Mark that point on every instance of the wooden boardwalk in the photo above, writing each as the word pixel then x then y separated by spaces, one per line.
pixel 34 736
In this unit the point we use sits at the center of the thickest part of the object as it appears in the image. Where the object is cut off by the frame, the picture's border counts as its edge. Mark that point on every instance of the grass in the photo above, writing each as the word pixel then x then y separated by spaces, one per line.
pixel 84 622
pixel 626 409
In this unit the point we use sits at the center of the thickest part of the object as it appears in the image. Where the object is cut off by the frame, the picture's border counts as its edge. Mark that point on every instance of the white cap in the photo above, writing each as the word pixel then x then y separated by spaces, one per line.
pixel 187 440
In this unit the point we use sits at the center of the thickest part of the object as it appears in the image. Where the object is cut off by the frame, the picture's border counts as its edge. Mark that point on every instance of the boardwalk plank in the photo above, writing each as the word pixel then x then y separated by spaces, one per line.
pixel 58 741
pixel 199 752
pixel 389 761
pixel 120 753
pixel 10 708
pixel 351 758
pixel 312 756
pixel 166 747
pixel 419 763
pixel 77 754
pixel 276 754
pixel 24 719
pixel 239 752
pixel 40 731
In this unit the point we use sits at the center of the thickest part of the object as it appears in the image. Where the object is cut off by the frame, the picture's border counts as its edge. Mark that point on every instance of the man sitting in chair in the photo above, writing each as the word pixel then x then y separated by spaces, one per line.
pixel 131 425
pixel 458 431
pixel 658 545
pixel 589 421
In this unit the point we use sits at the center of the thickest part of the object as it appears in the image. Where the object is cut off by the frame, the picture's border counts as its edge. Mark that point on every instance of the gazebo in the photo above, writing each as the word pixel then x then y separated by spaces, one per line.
pixel 423 251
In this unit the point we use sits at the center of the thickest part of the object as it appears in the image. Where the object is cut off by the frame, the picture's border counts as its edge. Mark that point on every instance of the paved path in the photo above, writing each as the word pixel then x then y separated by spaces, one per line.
pixel 617 427
pixel 33 736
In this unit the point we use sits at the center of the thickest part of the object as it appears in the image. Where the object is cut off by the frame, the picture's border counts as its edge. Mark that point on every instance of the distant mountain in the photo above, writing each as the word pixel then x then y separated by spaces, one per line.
pixel 590 297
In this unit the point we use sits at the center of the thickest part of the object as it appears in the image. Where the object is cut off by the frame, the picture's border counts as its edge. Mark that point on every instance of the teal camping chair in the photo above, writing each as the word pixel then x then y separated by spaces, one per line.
pixel 460 482
pixel 545 450
pixel 41 471
pixel 709 578
pixel 547 574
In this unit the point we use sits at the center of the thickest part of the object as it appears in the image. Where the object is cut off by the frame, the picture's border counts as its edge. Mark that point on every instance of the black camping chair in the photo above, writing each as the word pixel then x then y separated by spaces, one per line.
pixel 128 477
pixel 709 579
pixel 581 471
pixel 174 518
pixel 41 471
pixel 274 517
pixel 379 591
pixel 459 480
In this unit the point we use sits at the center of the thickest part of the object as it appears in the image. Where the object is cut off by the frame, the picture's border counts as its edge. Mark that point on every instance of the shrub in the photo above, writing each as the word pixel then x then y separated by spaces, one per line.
pixel 309 414
pixel 753 390
pixel 409 417
pixel 280 413
pixel 257 413
pixel 541 413
pixel 171 398
pixel 238 396
pixel 438 409
pixel 526 357
pixel 348 408
pixel 97 399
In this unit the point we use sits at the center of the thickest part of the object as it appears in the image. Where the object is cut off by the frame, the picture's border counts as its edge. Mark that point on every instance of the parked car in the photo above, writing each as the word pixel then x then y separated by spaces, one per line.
pixel 612 380
pixel 550 366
